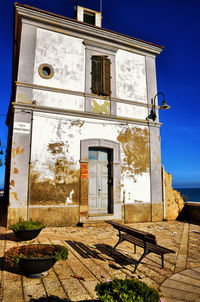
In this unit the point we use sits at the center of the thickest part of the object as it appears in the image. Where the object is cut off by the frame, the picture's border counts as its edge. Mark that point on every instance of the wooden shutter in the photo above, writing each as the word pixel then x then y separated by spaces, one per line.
pixel 100 75
pixel 106 76
pixel 96 74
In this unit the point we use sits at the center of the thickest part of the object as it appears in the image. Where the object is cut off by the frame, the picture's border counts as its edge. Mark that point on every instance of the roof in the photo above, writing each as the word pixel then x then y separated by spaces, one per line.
pixel 89 25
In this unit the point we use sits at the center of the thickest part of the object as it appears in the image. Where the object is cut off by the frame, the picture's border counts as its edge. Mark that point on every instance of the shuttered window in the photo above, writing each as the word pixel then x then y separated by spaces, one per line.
pixel 101 78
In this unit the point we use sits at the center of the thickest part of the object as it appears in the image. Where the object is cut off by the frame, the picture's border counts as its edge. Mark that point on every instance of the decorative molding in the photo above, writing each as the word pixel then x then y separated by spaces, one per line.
pixel 83 94
pixel 96 45
pixel 119 119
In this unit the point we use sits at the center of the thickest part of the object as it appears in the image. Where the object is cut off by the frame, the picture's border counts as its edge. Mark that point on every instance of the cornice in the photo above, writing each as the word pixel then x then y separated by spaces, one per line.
pixel 50 110
pixel 83 94
pixel 82 28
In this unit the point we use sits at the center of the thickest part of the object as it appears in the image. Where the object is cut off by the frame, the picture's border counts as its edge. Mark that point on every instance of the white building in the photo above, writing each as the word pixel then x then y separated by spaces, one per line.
pixel 81 143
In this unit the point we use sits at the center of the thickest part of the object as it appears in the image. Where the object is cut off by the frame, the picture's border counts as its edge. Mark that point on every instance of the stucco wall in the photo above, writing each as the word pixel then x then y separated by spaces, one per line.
pixel 131 76
pixel 67 57
pixel 55 166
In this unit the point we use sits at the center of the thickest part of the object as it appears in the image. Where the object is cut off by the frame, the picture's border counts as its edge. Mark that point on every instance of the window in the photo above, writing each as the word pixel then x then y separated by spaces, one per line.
pixel 101 75
pixel 89 17
pixel 98 154
pixel 46 71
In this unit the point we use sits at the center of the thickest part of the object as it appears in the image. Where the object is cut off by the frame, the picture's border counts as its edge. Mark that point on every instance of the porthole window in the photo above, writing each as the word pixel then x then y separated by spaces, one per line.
pixel 46 71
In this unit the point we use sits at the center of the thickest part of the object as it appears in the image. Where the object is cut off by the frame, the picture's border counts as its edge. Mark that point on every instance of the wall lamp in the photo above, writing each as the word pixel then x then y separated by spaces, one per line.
pixel 164 106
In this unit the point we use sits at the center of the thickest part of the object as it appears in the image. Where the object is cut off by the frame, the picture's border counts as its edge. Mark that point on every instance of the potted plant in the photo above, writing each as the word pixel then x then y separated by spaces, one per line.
pixel 34 259
pixel 26 230
pixel 126 290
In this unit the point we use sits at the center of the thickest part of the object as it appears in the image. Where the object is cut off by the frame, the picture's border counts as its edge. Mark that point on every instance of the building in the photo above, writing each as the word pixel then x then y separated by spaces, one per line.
pixel 82 141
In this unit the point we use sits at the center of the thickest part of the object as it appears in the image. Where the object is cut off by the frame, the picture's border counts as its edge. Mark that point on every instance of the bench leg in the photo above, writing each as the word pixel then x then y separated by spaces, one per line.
pixel 143 255
pixel 162 259
pixel 134 249
pixel 118 242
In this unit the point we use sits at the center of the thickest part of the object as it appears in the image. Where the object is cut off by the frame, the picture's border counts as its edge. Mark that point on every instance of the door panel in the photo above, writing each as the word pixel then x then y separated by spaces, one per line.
pixel 98 181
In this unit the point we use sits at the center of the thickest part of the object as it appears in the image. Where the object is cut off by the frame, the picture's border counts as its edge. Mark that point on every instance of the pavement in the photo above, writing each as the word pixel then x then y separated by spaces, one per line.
pixel 90 257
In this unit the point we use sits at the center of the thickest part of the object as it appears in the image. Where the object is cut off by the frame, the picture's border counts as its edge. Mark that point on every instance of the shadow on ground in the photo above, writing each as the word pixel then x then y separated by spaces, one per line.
pixel 115 255
pixel 83 250
pixel 56 299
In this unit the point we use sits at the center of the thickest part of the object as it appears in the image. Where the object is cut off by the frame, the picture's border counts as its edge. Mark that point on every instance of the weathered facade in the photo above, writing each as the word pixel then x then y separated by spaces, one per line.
pixel 82 147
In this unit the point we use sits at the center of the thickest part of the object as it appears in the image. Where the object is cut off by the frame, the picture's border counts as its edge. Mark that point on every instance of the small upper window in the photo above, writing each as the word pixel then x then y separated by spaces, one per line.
pixel 89 17
pixel 101 75
pixel 46 71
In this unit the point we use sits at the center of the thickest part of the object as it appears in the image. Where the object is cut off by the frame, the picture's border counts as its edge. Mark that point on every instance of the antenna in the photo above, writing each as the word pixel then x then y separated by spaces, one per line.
pixel 75 4
pixel 75 7
pixel 101 7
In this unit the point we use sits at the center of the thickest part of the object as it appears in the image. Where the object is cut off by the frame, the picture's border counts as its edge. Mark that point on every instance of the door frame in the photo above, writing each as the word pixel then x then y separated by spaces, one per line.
pixel 96 175
pixel 116 168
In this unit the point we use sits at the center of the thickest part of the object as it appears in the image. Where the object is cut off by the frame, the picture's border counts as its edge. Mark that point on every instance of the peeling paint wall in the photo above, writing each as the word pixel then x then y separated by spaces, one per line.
pixel 19 161
pixel 131 111
pixel 55 169
pixel 58 100
pixel 100 106
pixel 67 57
pixel 135 166
pixel 131 76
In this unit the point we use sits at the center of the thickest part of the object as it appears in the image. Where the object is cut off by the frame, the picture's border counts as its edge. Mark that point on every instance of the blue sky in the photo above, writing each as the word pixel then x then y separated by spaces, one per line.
pixel 174 24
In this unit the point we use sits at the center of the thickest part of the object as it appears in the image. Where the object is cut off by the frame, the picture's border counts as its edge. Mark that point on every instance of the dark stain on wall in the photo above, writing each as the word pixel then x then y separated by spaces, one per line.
pixel 64 187
pixel 47 191
pixel 135 145
pixel 56 148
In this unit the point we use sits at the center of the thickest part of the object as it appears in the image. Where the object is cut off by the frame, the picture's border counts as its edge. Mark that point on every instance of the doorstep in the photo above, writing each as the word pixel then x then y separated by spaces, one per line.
pixel 95 220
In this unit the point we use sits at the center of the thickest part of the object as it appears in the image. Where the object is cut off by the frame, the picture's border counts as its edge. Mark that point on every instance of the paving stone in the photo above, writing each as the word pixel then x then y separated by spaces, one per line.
pixel 179 294
pixel 76 290
pixel 191 273
pixel 33 288
pixel 182 286
pixel 185 279
pixel 54 288
pixel 13 295
pixel 89 255
pixel 174 300
pixel 62 270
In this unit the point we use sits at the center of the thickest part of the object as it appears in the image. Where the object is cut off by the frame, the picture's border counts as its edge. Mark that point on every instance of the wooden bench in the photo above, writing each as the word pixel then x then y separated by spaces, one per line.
pixel 142 239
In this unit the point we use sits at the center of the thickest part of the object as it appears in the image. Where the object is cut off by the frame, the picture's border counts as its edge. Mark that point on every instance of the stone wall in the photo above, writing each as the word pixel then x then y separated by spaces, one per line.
pixel 174 203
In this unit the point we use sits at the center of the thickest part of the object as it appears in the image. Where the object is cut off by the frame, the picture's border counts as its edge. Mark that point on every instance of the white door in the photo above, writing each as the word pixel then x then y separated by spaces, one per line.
pixel 98 172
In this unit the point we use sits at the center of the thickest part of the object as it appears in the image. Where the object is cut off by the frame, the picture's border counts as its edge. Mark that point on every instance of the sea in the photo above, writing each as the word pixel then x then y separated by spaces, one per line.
pixel 190 194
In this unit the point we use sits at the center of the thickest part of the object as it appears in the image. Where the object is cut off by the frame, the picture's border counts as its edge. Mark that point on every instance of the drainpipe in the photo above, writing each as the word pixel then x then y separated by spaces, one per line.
pixel 29 166
pixel 163 191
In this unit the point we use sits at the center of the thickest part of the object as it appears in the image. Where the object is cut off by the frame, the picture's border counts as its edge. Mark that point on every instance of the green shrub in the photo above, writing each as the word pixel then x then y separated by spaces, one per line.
pixel 128 290
pixel 14 254
pixel 24 225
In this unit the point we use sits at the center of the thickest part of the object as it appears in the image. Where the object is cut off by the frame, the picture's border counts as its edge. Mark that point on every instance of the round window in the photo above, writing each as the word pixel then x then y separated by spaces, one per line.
pixel 46 71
